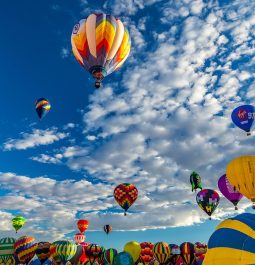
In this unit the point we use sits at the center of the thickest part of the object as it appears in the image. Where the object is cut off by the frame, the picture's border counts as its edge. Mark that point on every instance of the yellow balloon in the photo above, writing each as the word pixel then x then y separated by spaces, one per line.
pixel 134 249
pixel 241 174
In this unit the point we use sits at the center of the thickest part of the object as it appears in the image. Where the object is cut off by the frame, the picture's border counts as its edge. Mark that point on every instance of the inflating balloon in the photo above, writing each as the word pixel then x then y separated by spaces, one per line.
pixel 42 107
pixel 208 201
pixel 195 181
pixel 162 252
pixel 18 222
pixel 101 44
pixel 43 251
pixel 187 252
pixel 79 238
pixel 109 255
pixel 233 242
pixel 243 117
pixel 241 174
pixel 125 194
pixel 82 225
pixel 229 191
pixel 6 248
pixel 134 249
pixel 123 258
pixel 146 252
pixel 107 229
pixel 25 248
pixel 65 250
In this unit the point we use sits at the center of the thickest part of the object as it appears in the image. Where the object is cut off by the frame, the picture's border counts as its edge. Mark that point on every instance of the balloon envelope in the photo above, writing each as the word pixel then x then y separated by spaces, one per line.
pixel 42 107
pixel 161 252
pixel 241 174
pixel 18 222
pixel 82 225
pixel 43 251
pixel 107 229
pixel 123 258
pixel 109 255
pixel 229 191
pixel 208 200
pixel 6 248
pixel 65 250
pixel 25 248
pixel 146 252
pixel 101 44
pixel 232 242
pixel 195 181
pixel 187 252
pixel 134 249
pixel 243 117
pixel 125 194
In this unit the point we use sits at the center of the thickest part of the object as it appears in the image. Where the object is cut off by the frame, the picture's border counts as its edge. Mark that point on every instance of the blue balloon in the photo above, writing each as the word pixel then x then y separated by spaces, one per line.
pixel 243 117
pixel 38 262
pixel 123 258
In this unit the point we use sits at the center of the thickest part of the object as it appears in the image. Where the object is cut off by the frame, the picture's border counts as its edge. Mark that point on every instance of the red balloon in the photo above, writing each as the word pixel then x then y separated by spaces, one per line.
pixel 82 225
pixel 146 252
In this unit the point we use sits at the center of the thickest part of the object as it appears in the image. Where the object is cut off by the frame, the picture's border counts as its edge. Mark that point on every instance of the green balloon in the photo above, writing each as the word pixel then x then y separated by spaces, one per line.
pixel 18 222
pixel 65 250
pixel 6 248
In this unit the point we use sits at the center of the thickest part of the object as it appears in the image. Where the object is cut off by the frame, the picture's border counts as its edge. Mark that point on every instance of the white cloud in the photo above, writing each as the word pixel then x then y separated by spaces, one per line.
pixel 36 138
pixel 64 53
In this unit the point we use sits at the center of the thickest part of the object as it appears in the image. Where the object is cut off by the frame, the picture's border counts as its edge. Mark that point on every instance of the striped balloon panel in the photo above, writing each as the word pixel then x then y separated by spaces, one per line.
pixel 79 238
pixel 95 253
pixel 187 252
pixel 233 242
pixel 109 255
pixel 66 250
pixel 100 40
pixel 6 248
pixel 25 248
pixel 161 252
pixel 146 252
pixel 9 261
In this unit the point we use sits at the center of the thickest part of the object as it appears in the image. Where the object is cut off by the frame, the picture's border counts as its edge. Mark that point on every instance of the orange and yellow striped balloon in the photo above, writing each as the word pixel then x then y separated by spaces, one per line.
pixel 101 44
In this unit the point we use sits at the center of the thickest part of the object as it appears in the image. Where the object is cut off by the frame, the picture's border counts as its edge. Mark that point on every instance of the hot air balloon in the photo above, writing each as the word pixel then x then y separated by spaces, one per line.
pixel 25 248
pixel 107 229
pixel 6 248
pixel 229 191
pixel 43 251
pixel 195 181
pixel 77 255
pixel 187 252
pixel 18 222
pixel 125 194
pixel 241 174
pixel 243 117
pixel 134 249
pixel 82 225
pixel 79 238
pixel 11 261
pixel 146 252
pixel 161 252
pixel 232 242
pixel 208 201
pixel 101 44
pixel 95 253
pixel 65 250
pixel 123 258
pixel 109 255
pixel 175 255
pixel 199 251
pixel 42 107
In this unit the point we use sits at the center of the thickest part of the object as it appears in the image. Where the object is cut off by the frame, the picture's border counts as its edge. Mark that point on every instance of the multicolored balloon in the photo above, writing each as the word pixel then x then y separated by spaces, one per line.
pixel 77 255
pixel 95 253
pixel 43 251
pixel 125 194
pixel 243 117
pixel 79 238
pixel 195 181
pixel 134 249
pixel 161 252
pixel 82 225
pixel 123 258
pixel 25 248
pixel 232 242
pixel 18 222
pixel 146 252
pixel 65 250
pixel 11 261
pixel 187 252
pixel 6 248
pixel 200 251
pixel 107 229
pixel 241 174
pixel 109 255
pixel 229 191
pixel 101 44
pixel 42 107
pixel 208 201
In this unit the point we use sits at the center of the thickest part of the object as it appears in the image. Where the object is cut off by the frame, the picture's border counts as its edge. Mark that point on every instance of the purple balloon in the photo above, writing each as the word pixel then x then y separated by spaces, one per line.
pixel 229 191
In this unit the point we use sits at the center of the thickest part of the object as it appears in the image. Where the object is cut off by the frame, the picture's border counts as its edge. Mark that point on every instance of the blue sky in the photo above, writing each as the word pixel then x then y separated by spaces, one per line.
pixel 163 115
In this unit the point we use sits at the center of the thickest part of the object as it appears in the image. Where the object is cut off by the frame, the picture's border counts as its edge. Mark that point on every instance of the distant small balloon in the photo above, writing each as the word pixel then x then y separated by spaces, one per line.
pixel 42 107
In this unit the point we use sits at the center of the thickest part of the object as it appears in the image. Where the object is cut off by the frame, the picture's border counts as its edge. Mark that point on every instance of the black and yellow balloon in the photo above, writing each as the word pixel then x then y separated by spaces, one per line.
pixel 241 174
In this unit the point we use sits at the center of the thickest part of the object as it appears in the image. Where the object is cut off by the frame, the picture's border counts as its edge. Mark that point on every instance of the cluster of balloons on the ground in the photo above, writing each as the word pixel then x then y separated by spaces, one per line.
pixel 64 252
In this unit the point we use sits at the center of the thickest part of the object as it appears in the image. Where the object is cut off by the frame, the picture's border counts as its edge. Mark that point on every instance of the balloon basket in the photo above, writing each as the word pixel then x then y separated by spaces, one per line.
pixel 236 208
pixel 125 214
pixel 248 133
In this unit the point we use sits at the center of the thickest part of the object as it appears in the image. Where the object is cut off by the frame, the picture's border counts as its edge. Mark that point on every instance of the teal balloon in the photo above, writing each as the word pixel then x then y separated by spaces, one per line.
pixel 123 258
